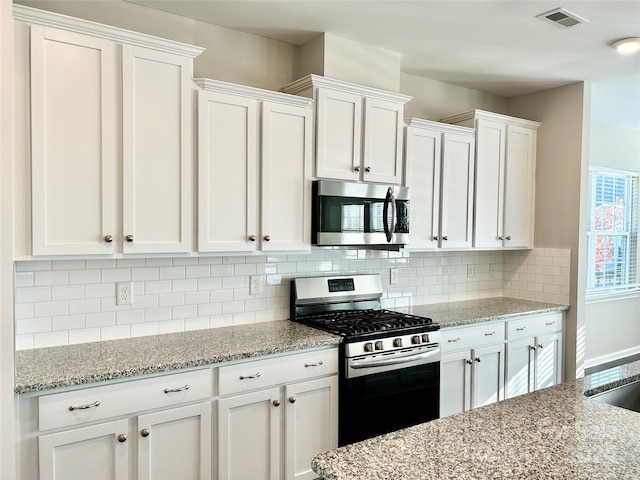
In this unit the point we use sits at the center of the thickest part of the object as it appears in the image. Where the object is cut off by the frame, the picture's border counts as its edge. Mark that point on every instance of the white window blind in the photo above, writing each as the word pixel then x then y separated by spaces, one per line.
pixel 612 237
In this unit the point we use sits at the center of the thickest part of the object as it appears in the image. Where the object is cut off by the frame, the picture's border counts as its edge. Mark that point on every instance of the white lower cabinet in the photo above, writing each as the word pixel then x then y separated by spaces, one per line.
pixel 273 431
pixel 471 377
pixel 534 354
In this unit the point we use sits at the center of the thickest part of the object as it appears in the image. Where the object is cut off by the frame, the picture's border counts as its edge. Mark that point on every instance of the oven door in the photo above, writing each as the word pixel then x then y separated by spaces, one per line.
pixel 382 402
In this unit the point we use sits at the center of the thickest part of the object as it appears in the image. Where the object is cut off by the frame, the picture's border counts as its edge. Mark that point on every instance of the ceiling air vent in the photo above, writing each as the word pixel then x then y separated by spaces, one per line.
pixel 562 17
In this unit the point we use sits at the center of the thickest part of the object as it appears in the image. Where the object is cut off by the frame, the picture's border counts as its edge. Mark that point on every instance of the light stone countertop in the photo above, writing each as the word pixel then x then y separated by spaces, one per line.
pixel 555 433
pixel 456 314
pixel 55 367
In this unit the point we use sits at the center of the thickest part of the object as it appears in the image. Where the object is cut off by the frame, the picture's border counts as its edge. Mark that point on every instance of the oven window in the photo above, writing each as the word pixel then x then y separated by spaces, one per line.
pixel 383 402
pixel 357 215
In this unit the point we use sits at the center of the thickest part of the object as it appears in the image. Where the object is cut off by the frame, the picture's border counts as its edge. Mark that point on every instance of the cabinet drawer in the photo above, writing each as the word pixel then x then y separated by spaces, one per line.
pixel 56 410
pixel 534 325
pixel 472 336
pixel 243 377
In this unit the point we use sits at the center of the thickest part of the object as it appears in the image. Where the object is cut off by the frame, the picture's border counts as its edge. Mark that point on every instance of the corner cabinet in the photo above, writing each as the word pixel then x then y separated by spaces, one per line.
pixel 439 168
pixel 111 138
pixel 358 129
pixel 254 169
pixel 504 178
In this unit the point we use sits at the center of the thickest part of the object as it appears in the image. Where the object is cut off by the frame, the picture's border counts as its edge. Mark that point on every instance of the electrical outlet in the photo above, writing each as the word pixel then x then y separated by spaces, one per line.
pixel 472 271
pixel 394 277
pixel 256 285
pixel 124 294
pixel 493 270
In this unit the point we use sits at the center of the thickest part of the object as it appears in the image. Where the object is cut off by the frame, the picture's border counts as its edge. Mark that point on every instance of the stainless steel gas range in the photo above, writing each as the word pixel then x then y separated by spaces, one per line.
pixel 390 361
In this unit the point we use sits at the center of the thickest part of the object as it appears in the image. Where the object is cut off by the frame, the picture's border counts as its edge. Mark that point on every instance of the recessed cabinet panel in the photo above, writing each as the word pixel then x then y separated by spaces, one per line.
pixel 73 134
pixel 157 160
pixel 339 130
pixel 286 177
pixel 227 172
pixel 457 191
pixel 488 375
pixel 455 383
pixel 382 154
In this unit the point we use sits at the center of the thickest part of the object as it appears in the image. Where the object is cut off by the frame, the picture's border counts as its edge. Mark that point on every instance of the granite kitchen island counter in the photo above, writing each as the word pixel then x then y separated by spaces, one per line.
pixel 55 367
pixel 555 433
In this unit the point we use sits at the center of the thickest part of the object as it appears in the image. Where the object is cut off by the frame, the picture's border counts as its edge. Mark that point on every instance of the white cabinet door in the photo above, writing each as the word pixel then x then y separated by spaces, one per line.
pixel 455 383
pixel 548 362
pixel 489 199
pixel 227 172
pixel 519 187
pixel 487 381
pixel 519 367
pixel 286 177
pixel 382 141
pixel 100 449
pixel 73 142
pixel 422 175
pixel 311 424
pixel 457 186
pixel 249 439
pixel 175 444
pixel 157 151
pixel 339 134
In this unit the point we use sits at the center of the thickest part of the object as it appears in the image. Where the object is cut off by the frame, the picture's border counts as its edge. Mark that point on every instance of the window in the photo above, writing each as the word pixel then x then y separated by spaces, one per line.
pixel 612 237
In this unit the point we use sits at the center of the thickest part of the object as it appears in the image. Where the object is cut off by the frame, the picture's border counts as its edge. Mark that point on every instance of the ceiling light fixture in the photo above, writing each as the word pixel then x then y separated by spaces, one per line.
pixel 626 46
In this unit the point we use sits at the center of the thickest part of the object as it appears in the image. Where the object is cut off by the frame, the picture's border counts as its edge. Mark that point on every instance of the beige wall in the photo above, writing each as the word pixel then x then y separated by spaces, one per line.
pixel 562 156
pixel 433 100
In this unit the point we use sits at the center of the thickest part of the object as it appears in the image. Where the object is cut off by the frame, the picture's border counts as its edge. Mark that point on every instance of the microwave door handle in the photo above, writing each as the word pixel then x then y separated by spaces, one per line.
pixel 389 199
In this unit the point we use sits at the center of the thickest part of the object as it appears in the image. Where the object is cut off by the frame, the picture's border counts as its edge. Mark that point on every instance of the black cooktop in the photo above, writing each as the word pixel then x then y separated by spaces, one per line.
pixel 369 324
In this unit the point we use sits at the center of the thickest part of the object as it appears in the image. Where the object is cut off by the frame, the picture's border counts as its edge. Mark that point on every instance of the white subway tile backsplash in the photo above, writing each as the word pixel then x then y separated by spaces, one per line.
pixel 61 302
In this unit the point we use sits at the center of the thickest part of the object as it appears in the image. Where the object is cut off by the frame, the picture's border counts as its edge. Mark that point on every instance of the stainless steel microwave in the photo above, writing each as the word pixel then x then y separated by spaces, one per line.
pixel 360 214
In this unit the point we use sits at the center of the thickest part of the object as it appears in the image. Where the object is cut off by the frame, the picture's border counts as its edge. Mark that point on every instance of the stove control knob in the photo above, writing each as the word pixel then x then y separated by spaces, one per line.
pixel 397 342
pixel 425 338
pixel 368 347
pixel 415 339
pixel 379 345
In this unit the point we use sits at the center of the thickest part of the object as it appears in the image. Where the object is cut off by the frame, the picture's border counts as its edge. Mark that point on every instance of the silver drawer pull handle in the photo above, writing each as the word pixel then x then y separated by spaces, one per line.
pixel 179 389
pixel 489 334
pixel 317 364
pixel 520 329
pixel 84 407
pixel 453 340
pixel 246 377
pixel 548 324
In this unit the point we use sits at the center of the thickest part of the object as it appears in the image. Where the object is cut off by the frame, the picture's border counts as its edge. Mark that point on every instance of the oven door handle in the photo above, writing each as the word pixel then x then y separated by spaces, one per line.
pixel 396 359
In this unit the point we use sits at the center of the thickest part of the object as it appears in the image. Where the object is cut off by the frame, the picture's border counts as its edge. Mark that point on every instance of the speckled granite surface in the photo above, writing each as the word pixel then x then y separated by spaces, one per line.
pixel 556 433
pixel 47 368
pixel 455 314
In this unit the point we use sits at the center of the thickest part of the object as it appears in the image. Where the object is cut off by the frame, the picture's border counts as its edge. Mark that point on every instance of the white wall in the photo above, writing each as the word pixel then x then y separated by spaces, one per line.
pixel 561 167
pixel 7 418
pixel 613 325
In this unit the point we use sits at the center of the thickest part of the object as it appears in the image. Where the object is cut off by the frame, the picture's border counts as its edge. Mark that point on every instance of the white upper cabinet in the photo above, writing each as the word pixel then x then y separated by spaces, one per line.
pixel 358 130
pixel 111 139
pixel 254 169
pixel 439 169
pixel 505 178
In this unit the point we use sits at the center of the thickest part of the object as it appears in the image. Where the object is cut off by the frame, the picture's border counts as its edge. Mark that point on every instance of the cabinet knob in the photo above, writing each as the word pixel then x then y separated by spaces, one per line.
pixel 252 238
pixel 368 169
pixel 500 238
pixel 469 362
pixel 532 347
pixel 292 399
pixel 122 438
pixel 445 238
pixel 108 238
pixel 478 359
pixel 356 168
pixel 145 432
pixel 508 237
pixel 276 403
pixel 540 346
pixel 267 238
pixel 129 238
pixel 435 238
